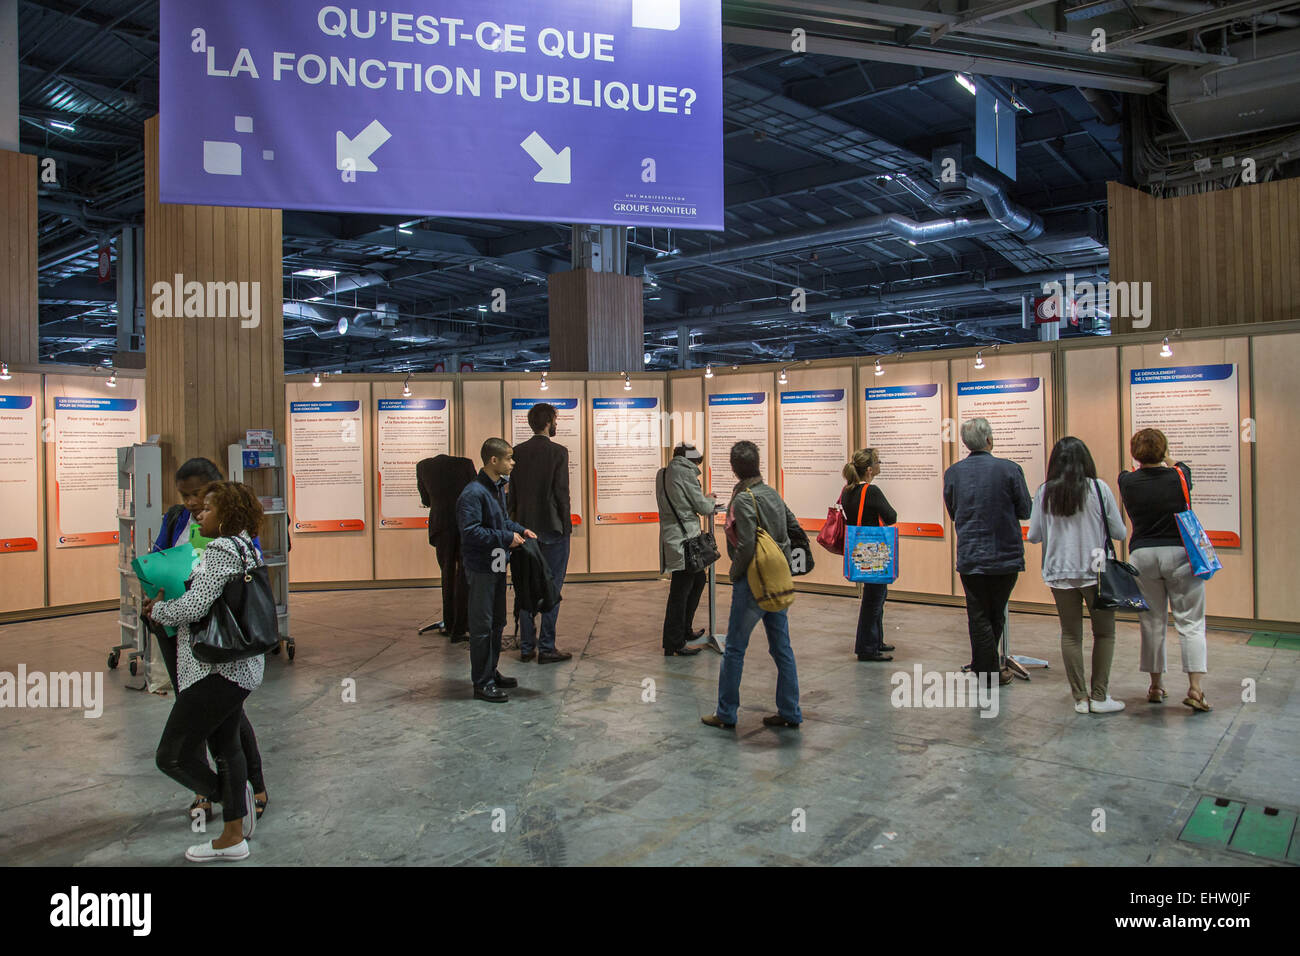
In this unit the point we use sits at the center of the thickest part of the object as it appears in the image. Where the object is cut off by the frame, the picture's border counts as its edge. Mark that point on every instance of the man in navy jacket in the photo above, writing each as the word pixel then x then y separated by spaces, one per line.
pixel 486 535
pixel 987 498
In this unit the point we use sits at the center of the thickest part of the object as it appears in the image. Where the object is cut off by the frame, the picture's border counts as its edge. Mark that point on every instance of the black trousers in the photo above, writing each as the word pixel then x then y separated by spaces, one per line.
pixel 871 619
pixel 683 601
pixel 207 713
pixel 986 605
pixel 247 739
pixel 487 619
pixel 455 588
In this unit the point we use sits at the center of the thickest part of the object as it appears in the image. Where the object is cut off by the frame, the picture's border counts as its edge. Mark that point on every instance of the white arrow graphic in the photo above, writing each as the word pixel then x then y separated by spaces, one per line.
pixel 355 153
pixel 556 167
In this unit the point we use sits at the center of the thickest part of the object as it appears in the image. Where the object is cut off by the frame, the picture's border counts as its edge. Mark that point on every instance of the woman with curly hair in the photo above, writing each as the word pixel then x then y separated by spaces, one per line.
pixel 210 697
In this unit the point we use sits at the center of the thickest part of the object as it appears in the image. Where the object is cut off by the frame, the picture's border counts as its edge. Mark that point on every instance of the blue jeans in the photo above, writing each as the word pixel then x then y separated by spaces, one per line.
pixel 745 613
pixel 555 551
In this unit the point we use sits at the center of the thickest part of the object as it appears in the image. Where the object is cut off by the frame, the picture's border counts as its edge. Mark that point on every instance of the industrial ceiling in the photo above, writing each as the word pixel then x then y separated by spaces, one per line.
pixel 830 185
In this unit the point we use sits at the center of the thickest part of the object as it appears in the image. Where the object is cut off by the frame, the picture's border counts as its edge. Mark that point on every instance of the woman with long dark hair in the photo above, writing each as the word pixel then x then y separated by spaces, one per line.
pixel 1069 511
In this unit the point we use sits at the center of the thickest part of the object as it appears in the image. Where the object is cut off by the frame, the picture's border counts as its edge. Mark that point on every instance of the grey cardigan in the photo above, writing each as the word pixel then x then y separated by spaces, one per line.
pixel 680 481
pixel 1069 543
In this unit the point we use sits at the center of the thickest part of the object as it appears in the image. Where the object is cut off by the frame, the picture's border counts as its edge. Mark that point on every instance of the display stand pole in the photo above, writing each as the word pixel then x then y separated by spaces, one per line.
pixel 436 626
pixel 1017 664
pixel 711 637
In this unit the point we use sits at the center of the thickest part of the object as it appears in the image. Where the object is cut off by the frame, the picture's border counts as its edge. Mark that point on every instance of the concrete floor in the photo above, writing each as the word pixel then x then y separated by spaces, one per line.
pixel 586 772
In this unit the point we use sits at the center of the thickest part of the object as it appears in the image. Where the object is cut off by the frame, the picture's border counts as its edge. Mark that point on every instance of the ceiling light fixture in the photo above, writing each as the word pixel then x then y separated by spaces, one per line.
pixel 966 82
pixel 316 273
pixel 65 126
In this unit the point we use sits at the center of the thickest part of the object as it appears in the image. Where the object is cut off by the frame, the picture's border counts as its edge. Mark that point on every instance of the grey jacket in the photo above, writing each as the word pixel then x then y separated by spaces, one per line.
pixel 776 518
pixel 680 481
pixel 1070 543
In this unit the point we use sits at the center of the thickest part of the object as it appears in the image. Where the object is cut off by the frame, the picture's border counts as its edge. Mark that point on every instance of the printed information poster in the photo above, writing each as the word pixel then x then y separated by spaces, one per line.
pixel 18 475
pixel 1196 407
pixel 568 432
pixel 409 430
pixel 733 417
pixel 327 470
pixel 1014 409
pixel 814 448
pixel 88 433
pixel 628 456
pixel 904 425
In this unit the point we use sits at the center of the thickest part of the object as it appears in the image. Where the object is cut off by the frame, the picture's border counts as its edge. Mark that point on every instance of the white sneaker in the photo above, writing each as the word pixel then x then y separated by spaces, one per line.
pixel 1107 706
pixel 1081 706
pixel 205 853
pixel 250 815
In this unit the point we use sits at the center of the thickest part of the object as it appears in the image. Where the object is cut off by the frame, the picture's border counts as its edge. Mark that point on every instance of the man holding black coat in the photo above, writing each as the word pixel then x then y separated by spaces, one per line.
pixel 539 499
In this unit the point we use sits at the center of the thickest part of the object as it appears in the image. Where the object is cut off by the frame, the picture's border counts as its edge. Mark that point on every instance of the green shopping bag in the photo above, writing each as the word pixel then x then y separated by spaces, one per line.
pixel 167 571
pixel 197 540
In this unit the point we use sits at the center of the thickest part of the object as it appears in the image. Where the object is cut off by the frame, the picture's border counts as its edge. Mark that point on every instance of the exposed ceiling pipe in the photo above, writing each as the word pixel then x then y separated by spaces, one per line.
pixel 1015 219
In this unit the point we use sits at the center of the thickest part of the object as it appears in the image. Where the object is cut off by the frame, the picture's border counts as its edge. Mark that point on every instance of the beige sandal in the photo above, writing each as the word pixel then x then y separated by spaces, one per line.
pixel 1156 695
pixel 1197 703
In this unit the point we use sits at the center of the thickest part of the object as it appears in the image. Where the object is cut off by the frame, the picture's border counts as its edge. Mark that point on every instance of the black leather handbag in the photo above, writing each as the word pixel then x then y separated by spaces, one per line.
pixel 1117 581
pixel 242 621
pixel 699 551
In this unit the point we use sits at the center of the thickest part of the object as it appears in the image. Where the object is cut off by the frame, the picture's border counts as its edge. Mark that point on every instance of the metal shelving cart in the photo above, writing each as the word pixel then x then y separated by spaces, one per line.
pixel 139 519
pixel 266 472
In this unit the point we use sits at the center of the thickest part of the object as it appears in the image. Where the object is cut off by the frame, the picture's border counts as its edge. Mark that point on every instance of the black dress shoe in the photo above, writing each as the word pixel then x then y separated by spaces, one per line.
pixel 682 651
pixel 697 633
pixel 492 693
pixel 505 681
pixel 550 657
pixel 875 657
pixel 527 656
pixel 459 638
pixel 886 648
pixel 776 720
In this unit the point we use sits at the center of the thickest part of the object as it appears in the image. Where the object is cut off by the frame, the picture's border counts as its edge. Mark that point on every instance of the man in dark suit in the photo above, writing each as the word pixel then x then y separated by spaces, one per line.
pixel 539 500
pixel 441 480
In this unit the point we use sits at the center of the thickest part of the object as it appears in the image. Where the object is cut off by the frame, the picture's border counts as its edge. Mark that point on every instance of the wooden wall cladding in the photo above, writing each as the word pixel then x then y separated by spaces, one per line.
pixel 82 575
pixel 19 336
pixel 1276 461
pixel 335 555
pixel 616 548
pixel 405 553
pixel 210 379
pixel 1231 592
pixel 597 321
pixel 1227 257
pixel 22 573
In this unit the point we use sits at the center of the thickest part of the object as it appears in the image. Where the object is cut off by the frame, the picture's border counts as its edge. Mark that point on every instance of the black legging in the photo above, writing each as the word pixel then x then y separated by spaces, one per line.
pixel 247 739
pixel 208 711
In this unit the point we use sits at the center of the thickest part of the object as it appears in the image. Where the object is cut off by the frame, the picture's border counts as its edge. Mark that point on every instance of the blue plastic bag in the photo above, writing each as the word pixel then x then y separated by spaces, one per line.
pixel 871 554
pixel 1200 552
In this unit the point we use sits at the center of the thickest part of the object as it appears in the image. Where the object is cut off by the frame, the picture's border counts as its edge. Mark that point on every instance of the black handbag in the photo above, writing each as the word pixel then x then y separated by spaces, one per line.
pixel 1117 581
pixel 799 542
pixel 698 552
pixel 242 621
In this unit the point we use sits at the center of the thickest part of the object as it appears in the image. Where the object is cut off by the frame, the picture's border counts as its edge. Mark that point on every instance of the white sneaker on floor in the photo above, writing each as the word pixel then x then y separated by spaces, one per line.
pixel 1107 706
pixel 204 852
pixel 1081 706
pixel 250 815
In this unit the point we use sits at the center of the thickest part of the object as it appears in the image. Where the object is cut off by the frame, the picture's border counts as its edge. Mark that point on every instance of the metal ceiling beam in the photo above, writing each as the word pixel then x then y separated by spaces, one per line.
pixel 958 63
pixel 1200 21
pixel 990 11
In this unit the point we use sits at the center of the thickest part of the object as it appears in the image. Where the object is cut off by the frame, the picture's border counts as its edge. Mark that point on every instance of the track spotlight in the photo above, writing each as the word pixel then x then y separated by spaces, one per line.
pixel 708 371
pixel 545 384
pixel 627 382
pixel 406 386
pixel 880 370
pixel 315 382
pixel 979 359
pixel 112 379
pixel 4 372
pixel 1165 350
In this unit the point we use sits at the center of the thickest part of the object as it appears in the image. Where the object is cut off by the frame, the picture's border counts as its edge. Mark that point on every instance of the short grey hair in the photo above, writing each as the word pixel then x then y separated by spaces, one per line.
pixel 976 434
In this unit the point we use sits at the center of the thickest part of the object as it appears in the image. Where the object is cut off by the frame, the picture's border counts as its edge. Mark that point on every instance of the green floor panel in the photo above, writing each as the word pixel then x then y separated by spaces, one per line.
pixel 1210 824
pixel 1288 643
pixel 1293 855
pixel 1261 834
pixel 1263 639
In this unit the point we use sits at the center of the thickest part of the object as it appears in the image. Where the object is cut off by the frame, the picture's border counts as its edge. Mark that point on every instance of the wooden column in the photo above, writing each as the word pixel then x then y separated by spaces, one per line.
pixel 597 322
pixel 208 378
pixel 19 336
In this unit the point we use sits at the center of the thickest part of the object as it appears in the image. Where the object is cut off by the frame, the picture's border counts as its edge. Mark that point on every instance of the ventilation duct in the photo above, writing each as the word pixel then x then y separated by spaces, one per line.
pixel 1259 92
